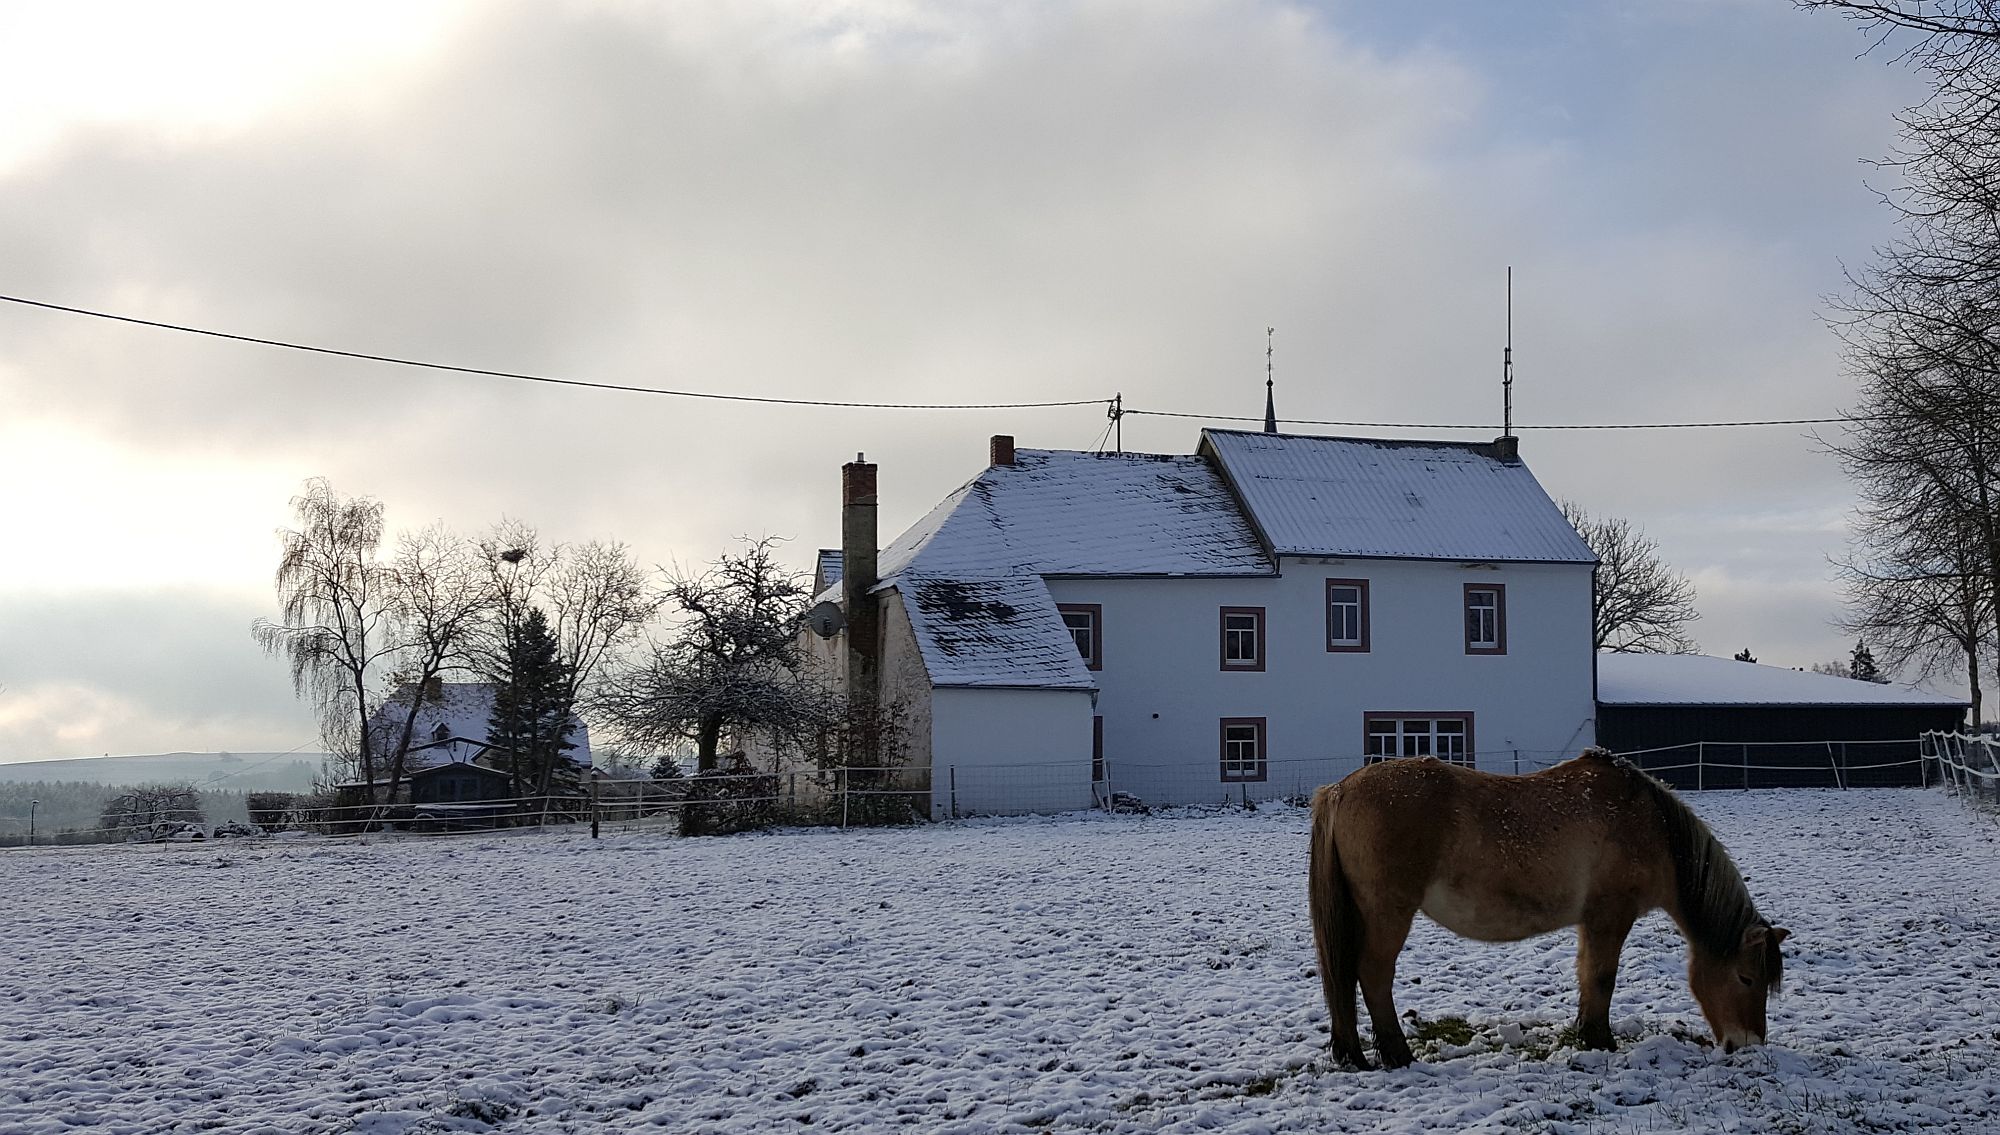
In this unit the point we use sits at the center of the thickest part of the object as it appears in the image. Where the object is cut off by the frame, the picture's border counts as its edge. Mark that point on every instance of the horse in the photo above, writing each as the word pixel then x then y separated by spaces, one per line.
pixel 1593 843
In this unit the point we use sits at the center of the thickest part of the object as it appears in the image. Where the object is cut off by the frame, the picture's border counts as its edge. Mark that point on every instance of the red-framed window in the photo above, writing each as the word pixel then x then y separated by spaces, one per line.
pixel 1086 626
pixel 1486 618
pixel 1244 757
pixel 1243 638
pixel 1347 616
pixel 1446 736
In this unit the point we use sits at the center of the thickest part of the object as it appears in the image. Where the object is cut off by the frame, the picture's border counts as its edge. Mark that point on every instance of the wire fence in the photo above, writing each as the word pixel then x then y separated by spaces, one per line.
pixel 743 799
pixel 1967 765
pixel 1705 765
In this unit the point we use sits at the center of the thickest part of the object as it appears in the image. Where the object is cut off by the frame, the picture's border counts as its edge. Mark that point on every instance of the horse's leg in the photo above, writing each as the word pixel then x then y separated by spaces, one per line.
pixel 1382 939
pixel 1346 1024
pixel 1599 941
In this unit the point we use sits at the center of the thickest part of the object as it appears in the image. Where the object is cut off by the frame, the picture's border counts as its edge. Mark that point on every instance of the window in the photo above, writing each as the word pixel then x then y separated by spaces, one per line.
pixel 1243 748
pixel 1347 615
pixel 1447 736
pixel 1085 622
pixel 1485 618
pixel 1243 638
pixel 1097 750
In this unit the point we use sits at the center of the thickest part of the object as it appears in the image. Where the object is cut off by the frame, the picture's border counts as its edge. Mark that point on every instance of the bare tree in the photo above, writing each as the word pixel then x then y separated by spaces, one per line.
pixel 351 623
pixel 334 604
pixel 437 602
pixel 594 595
pixel 733 662
pixel 1921 332
pixel 151 810
pixel 1921 596
pixel 1640 605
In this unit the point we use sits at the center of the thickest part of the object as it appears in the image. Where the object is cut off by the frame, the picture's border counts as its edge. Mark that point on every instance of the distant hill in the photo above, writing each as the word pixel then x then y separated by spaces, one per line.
pixel 279 772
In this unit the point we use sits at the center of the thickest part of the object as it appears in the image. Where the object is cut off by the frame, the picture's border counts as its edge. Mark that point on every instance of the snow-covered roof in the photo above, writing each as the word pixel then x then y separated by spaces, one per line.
pixel 1699 679
pixel 1055 512
pixel 1337 496
pixel 992 632
pixel 463 709
pixel 826 570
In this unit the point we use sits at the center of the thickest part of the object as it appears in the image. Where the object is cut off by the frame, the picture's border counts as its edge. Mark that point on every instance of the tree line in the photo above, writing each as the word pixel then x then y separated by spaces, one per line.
pixel 671 660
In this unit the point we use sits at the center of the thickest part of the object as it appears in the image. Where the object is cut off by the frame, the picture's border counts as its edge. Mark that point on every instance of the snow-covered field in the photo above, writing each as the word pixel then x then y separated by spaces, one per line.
pixel 1077 974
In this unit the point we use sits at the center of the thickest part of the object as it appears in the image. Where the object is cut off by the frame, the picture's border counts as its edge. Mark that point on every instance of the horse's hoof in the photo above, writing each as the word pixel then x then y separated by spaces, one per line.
pixel 1398 1059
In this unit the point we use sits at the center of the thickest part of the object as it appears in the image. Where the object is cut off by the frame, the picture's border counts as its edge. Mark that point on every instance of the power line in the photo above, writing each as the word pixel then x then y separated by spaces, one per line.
pixel 1517 425
pixel 1117 410
pixel 482 371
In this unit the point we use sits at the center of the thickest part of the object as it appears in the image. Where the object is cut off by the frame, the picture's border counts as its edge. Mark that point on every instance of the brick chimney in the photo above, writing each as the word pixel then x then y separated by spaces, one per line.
pixel 1001 450
pixel 857 578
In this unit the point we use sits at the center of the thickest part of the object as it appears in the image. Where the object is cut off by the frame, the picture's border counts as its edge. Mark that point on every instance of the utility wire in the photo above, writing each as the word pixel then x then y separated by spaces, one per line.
pixel 547 378
pixel 1517 425
pixel 767 400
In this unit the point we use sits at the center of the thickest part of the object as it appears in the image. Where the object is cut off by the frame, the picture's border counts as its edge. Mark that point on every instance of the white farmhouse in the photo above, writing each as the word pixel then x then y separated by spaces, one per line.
pixel 1246 622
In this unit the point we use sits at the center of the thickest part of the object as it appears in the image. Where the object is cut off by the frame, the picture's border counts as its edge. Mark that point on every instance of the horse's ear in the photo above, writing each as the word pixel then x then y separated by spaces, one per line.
pixel 1779 934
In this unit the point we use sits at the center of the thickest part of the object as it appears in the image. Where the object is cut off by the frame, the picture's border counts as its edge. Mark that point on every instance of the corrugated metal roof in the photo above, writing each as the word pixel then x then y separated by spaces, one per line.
pixel 992 632
pixel 1700 679
pixel 1056 512
pixel 1332 496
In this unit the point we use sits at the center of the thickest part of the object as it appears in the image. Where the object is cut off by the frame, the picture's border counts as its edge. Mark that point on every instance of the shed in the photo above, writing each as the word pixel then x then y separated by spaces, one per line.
pixel 1697 721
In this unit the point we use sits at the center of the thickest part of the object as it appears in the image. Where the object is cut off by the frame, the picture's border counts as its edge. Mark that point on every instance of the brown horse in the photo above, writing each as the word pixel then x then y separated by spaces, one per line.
pixel 1592 843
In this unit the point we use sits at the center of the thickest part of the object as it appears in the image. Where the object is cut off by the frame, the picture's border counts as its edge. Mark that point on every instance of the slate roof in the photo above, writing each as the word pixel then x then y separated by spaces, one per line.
pixel 1437 500
pixel 992 632
pixel 1699 679
pixel 1056 512
pixel 826 570
pixel 971 572
pixel 464 708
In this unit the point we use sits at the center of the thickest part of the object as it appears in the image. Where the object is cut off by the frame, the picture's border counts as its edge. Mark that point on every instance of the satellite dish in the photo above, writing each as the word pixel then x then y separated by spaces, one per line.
pixel 826 619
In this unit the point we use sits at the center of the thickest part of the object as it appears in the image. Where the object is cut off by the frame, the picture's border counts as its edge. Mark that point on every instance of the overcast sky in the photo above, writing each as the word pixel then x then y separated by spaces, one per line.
pixel 877 201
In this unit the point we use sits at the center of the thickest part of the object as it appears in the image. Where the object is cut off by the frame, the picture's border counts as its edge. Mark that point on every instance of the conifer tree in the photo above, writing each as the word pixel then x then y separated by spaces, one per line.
pixel 531 720
pixel 1861 665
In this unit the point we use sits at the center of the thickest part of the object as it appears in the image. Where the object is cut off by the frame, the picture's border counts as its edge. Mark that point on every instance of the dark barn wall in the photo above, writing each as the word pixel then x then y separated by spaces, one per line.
pixel 1801 746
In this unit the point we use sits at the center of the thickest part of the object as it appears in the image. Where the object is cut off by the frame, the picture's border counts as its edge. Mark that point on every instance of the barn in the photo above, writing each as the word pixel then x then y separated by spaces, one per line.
pixel 1702 722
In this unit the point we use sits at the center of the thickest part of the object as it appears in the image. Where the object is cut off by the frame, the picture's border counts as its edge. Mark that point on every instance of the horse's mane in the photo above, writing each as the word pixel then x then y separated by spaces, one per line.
pixel 1716 908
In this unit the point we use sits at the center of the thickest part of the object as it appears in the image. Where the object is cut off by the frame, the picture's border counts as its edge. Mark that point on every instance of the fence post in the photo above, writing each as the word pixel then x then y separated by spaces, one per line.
pixel 1517 762
pixel 1700 766
pixel 844 786
pixel 593 807
pixel 952 772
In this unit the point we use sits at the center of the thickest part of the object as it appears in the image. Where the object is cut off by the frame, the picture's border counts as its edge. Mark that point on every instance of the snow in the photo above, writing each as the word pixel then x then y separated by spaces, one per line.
pixel 1699 679
pixel 992 632
pixel 1439 500
pixel 1059 512
pixel 464 709
pixel 1076 974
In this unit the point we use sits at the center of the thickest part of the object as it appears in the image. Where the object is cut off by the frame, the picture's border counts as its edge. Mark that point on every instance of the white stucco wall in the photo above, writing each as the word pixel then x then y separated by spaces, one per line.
pixel 1163 693
pixel 1006 750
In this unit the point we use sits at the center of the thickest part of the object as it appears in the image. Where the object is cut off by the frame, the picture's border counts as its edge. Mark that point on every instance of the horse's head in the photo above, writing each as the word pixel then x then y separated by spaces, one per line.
pixel 1733 987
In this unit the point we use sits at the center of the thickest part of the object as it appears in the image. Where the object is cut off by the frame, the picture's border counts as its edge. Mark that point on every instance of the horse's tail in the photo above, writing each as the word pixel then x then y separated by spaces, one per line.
pixel 1336 924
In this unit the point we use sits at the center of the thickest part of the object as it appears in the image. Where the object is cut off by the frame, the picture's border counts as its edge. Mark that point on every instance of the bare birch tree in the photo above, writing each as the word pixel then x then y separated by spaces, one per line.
pixel 334 606
pixel 1640 605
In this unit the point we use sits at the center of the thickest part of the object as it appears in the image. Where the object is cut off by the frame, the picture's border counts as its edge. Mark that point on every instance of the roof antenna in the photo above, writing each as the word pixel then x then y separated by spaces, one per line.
pixel 1270 405
pixel 1507 445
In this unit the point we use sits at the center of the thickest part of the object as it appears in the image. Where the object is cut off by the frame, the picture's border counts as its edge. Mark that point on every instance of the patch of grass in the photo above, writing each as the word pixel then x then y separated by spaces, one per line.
pixel 1433 1034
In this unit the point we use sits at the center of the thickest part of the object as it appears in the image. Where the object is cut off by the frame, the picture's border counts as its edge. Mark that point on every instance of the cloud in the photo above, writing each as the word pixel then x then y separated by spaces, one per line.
pixel 160 670
pixel 885 201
